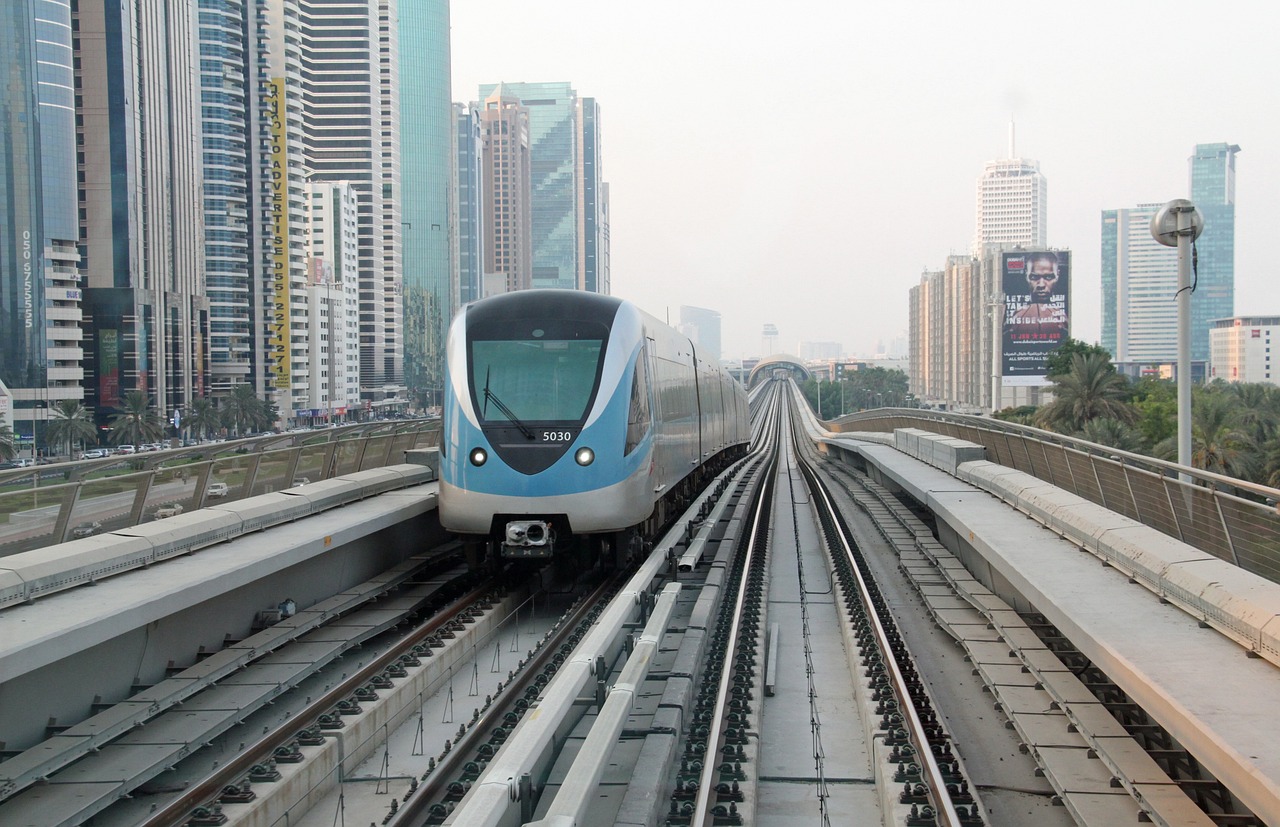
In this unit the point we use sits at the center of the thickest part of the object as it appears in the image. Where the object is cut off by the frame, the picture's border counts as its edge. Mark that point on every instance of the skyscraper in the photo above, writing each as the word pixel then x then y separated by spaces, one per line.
pixel 351 133
pixel 570 198
pixel 229 101
pixel 1213 191
pixel 333 300
pixel 41 361
pixel 430 286
pixel 281 324
pixel 142 239
pixel 506 193
pixel 1139 286
pixel 1012 204
pixel 592 204
pixel 1140 276
pixel 470 234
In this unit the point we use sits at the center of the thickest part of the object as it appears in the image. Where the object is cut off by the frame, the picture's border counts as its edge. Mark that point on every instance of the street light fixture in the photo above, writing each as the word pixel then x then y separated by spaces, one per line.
pixel 1179 224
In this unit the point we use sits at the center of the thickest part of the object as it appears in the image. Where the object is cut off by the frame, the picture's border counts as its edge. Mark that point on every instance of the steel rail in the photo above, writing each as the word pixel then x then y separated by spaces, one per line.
pixel 706 787
pixel 417 805
pixel 945 810
pixel 176 811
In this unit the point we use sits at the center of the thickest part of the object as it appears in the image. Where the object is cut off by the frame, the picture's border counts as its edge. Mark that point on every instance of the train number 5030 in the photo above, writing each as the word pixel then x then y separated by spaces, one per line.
pixel 556 436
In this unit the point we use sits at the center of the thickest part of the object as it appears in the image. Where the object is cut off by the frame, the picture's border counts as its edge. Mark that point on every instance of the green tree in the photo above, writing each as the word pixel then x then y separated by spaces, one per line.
pixel 1218 443
pixel 243 412
pixel 1059 362
pixel 1114 434
pixel 1089 390
pixel 1258 409
pixel 137 422
pixel 1156 401
pixel 1021 415
pixel 70 422
pixel 202 418
pixel 7 449
pixel 238 408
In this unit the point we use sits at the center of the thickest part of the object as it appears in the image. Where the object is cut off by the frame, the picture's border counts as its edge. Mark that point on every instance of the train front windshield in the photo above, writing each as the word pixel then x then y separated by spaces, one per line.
pixel 535 379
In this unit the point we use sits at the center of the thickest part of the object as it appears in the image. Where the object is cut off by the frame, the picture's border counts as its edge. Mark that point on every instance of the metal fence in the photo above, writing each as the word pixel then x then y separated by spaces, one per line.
pixel 1232 519
pixel 50 504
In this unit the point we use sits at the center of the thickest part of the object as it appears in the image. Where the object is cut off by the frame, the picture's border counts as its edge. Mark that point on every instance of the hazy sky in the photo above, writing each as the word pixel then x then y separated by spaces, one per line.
pixel 802 163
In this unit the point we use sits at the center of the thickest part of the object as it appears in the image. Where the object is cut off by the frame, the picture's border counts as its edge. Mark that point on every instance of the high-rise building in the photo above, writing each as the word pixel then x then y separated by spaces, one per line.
pixel 592 203
pixel 142 238
pixel 280 245
pixel 430 281
pixel 1241 349
pixel 1012 205
pixel 470 209
pixel 1213 191
pixel 1139 287
pixel 351 128
pixel 570 198
pixel 41 361
pixel 333 301
pixel 228 103
pixel 957 338
pixel 506 194
pixel 702 326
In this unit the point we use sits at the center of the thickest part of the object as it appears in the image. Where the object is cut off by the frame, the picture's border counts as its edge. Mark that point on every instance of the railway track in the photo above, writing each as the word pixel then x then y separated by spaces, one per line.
pixel 797 648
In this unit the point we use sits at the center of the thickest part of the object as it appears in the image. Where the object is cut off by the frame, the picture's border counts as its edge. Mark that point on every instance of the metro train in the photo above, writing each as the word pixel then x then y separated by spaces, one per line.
pixel 572 419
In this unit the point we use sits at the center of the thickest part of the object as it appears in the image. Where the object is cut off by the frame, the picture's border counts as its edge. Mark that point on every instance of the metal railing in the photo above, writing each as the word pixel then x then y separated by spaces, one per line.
pixel 51 504
pixel 1232 519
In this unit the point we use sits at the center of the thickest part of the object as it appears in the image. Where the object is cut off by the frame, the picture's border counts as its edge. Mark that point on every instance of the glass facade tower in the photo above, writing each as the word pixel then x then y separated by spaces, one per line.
pixel 553 148
pixel 40 334
pixel 427 126
pixel 1213 191
pixel 226 100
pixel 470 203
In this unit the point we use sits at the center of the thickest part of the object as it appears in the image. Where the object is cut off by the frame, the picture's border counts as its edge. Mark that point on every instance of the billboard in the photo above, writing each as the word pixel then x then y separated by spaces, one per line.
pixel 1037 287
pixel 279 340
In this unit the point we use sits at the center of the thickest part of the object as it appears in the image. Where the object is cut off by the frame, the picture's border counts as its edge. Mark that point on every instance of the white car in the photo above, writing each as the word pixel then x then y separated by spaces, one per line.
pixel 170 510
pixel 217 490
pixel 127 449
pixel 96 453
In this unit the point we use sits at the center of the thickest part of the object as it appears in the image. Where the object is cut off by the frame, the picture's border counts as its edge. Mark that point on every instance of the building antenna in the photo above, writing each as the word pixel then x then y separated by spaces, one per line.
pixel 1012 140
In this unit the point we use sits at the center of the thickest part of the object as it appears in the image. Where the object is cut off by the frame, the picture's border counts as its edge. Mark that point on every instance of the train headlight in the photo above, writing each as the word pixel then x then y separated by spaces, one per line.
pixel 479 456
pixel 584 456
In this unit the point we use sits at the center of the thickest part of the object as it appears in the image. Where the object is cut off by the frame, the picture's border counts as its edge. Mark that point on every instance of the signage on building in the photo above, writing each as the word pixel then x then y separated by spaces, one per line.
pixel 278 342
pixel 109 368
pixel 1037 289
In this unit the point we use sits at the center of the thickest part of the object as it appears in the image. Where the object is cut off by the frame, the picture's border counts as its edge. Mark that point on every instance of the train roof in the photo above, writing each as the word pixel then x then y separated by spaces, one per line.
pixel 525 304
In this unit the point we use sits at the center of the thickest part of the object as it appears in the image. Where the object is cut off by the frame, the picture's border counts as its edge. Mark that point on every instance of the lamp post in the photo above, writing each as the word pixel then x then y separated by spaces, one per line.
pixel 1179 224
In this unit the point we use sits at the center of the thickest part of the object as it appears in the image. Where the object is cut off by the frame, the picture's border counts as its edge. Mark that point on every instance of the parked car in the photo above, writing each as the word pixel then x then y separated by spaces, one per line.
pixel 169 510
pixel 217 490
pixel 94 453
pixel 127 449
pixel 86 529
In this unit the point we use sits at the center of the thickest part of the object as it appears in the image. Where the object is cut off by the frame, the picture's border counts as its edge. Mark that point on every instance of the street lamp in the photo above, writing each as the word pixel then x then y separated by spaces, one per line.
pixel 1179 224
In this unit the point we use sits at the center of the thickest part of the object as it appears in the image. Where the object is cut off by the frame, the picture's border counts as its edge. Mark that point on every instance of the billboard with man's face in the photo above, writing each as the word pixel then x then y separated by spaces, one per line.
pixel 1036 313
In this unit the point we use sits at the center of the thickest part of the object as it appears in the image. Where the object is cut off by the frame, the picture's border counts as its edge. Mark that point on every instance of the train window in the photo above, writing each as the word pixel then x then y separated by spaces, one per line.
pixel 534 380
pixel 638 417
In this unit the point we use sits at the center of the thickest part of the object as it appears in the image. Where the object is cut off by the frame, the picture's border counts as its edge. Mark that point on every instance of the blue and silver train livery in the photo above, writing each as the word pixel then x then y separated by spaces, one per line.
pixel 570 414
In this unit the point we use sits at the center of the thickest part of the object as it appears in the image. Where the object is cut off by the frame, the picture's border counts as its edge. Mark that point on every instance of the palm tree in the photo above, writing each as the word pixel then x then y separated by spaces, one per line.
pixel 202 418
pixel 1089 390
pixel 240 409
pixel 7 451
pixel 1218 444
pixel 70 422
pixel 137 422
pixel 1113 433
